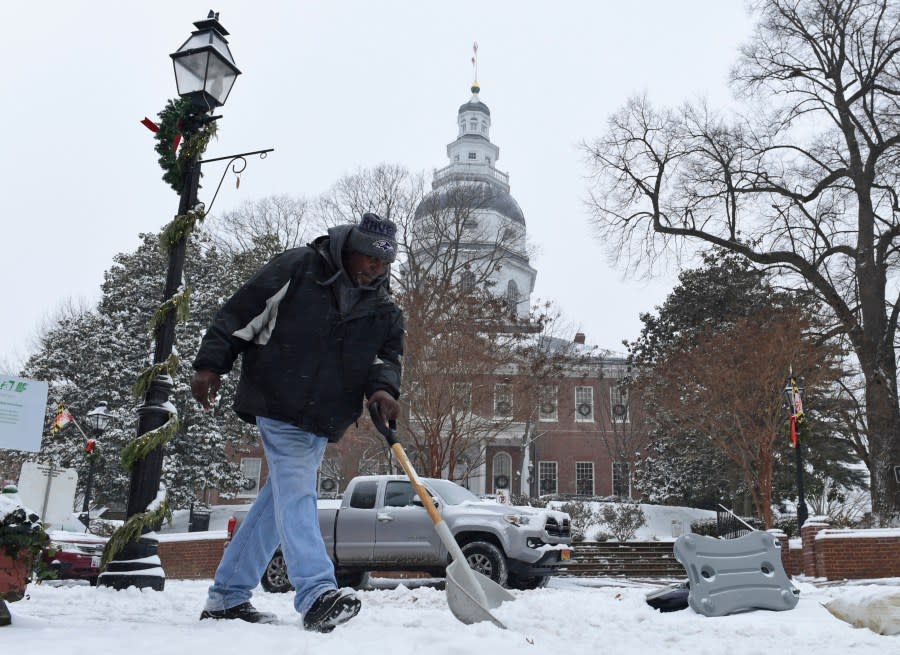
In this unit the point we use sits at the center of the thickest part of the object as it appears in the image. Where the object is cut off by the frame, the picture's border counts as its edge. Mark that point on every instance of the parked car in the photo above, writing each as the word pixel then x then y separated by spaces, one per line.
pixel 75 556
pixel 381 525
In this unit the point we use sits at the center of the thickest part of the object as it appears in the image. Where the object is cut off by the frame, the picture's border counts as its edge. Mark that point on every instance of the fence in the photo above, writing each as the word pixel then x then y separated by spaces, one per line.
pixel 729 525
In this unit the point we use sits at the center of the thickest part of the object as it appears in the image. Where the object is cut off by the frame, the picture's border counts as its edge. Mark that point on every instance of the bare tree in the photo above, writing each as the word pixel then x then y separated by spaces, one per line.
pixel 805 183
pixel 625 426
pixel 453 363
pixel 389 190
pixel 269 226
pixel 721 383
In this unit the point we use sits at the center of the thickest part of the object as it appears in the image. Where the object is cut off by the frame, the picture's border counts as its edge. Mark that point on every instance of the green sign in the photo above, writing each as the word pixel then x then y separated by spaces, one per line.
pixel 22 407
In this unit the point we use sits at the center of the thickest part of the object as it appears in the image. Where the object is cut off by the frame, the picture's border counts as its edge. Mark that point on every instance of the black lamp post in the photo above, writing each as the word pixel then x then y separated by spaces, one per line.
pixel 204 74
pixel 793 397
pixel 529 453
pixel 97 419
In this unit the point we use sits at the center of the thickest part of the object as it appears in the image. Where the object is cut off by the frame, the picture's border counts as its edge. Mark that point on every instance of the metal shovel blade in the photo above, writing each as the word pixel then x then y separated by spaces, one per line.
pixel 472 595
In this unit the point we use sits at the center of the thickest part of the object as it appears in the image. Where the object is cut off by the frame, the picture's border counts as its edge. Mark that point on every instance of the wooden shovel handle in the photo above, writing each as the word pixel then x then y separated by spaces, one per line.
pixel 389 432
pixel 400 454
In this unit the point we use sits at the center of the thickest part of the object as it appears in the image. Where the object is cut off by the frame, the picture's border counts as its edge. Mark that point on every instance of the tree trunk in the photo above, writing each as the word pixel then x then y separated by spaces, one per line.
pixel 884 449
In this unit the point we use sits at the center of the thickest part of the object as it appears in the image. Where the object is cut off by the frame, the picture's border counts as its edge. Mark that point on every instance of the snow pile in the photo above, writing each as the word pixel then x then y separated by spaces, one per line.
pixel 869 608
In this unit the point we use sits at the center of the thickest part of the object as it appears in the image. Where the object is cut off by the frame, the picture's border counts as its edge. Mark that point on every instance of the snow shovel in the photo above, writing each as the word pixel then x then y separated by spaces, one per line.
pixel 470 595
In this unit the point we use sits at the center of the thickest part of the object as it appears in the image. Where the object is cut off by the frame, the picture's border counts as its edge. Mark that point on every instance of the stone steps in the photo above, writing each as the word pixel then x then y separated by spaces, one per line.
pixel 631 559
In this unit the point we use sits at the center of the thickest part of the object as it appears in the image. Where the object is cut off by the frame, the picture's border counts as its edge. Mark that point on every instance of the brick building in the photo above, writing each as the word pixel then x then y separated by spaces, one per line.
pixel 580 440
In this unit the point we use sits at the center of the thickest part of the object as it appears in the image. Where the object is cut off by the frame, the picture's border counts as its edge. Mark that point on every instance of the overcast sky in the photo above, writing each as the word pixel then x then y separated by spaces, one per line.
pixel 333 87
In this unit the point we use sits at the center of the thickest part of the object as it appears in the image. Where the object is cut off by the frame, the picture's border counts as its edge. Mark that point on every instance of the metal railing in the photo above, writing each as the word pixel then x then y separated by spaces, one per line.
pixel 474 170
pixel 729 525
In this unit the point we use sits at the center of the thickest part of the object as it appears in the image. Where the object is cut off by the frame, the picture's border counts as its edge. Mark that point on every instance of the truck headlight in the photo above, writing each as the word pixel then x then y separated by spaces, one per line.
pixel 517 519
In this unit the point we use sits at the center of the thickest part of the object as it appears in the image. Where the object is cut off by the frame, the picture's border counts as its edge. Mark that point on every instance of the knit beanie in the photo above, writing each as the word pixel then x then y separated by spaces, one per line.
pixel 374 236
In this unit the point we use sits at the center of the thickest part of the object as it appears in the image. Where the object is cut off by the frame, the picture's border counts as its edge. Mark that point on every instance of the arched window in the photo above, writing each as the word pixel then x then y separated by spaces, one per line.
pixel 473 124
pixel 502 467
pixel 512 295
pixel 467 281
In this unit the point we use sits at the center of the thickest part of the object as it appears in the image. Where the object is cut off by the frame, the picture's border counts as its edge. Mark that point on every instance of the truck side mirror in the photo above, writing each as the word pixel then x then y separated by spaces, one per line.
pixel 418 502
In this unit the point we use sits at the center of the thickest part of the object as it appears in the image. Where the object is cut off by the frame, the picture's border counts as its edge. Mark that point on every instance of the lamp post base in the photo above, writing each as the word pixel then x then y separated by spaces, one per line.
pixel 119 581
pixel 137 565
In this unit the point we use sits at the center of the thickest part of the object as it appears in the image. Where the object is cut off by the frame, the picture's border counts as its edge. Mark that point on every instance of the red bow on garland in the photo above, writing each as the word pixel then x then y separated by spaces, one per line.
pixel 153 127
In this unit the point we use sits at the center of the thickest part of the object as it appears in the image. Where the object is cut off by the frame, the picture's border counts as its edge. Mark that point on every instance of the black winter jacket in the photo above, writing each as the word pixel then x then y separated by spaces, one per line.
pixel 313 344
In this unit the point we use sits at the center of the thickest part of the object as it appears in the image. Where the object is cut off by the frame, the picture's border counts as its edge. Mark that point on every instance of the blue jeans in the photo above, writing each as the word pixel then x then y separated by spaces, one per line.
pixel 283 513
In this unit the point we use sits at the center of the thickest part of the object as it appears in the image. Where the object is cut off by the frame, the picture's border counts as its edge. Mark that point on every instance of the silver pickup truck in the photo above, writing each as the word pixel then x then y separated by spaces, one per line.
pixel 381 525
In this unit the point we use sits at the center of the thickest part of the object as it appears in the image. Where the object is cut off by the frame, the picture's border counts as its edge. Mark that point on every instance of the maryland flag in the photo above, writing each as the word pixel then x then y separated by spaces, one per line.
pixel 63 418
pixel 796 400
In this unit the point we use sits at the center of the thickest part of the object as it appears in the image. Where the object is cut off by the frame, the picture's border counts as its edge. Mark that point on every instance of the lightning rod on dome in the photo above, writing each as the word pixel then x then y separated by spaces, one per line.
pixel 475 87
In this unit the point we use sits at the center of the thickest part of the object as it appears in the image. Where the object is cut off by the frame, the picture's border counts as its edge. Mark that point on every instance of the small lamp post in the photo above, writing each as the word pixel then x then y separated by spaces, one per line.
pixel 530 484
pixel 97 419
pixel 793 397
pixel 204 74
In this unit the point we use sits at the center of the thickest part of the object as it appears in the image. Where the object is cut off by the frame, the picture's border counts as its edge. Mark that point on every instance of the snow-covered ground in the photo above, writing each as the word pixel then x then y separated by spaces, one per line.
pixel 572 616
pixel 586 616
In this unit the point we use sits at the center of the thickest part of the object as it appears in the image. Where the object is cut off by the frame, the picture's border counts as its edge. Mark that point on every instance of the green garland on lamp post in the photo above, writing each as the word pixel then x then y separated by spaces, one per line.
pixel 158 422
pixel 173 119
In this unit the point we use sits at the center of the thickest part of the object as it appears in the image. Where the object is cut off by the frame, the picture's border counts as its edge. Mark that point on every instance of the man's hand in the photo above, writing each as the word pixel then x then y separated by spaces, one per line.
pixel 390 408
pixel 204 387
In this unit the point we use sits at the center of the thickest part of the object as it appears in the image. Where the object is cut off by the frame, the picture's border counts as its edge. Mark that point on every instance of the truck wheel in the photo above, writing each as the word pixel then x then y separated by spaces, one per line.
pixel 513 581
pixel 487 559
pixel 275 577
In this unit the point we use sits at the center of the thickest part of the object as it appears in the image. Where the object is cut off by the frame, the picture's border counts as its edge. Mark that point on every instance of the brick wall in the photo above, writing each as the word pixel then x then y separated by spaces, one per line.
pixel 856 554
pixel 186 558
pixel 785 548
pixel 825 553
pixel 793 563
pixel 808 537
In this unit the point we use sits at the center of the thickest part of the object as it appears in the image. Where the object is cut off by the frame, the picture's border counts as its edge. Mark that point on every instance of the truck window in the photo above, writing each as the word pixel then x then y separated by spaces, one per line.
pixel 364 495
pixel 398 494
